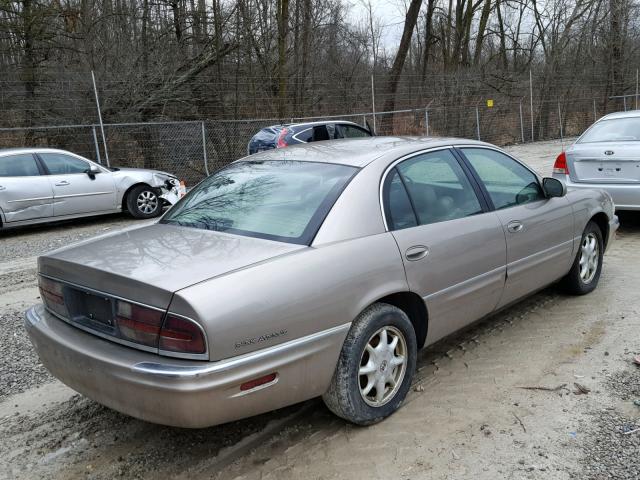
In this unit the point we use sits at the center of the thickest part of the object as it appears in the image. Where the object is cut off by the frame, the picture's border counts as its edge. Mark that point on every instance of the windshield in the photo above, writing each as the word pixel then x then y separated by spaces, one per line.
pixel 277 200
pixel 615 130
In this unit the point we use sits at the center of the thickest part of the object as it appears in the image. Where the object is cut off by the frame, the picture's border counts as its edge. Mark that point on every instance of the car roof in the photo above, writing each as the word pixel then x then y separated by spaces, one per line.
pixel 311 124
pixel 357 152
pixel 13 151
pixel 627 114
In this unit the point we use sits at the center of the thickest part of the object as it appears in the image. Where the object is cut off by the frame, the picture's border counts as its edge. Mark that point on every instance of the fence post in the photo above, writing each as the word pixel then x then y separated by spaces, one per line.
pixel 373 104
pixel 531 101
pixel 95 142
pixel 426 121
pixel 204 150
pixel 521 122
pixel 624 101
pixel 560 122
pixel 104 138
pixel 478 122
pixel 595 115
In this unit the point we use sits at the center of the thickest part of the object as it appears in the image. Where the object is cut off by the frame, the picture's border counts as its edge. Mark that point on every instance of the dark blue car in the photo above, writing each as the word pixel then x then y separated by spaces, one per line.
pixel 278 136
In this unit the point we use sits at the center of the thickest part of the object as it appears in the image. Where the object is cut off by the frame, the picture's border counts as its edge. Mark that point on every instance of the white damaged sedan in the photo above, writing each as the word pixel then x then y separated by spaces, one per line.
pixel 42 184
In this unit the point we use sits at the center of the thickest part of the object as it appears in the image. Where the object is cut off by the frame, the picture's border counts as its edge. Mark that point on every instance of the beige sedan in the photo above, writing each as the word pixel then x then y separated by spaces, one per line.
pixel 315 270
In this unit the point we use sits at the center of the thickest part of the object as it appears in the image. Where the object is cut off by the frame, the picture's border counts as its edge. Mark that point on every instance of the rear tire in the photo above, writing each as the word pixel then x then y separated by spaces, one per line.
pixel 144 202
pixel 375 368
pixel 585 272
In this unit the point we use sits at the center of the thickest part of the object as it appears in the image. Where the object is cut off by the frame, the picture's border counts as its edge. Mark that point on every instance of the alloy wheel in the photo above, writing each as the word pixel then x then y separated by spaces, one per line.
pixel 382 366
pixel 147 202
pixel 589 257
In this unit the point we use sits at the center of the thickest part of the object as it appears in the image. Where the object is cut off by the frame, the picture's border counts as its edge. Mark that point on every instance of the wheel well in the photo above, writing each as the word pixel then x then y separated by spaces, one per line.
pixel 602 221
pixel 413 305
pixel 128 191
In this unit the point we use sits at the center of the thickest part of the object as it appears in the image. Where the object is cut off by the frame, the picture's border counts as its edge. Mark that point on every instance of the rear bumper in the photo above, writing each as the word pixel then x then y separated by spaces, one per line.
pixel 625 196
pixel 183 393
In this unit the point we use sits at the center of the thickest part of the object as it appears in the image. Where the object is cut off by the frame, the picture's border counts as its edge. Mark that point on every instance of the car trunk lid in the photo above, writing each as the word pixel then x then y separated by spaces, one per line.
pixel 604 162
pixel 148 264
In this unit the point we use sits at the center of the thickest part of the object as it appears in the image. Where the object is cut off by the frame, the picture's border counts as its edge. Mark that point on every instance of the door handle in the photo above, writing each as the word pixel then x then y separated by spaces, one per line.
pixel 2 188
pixel 416 252
pixel 62 183
pixel 515 226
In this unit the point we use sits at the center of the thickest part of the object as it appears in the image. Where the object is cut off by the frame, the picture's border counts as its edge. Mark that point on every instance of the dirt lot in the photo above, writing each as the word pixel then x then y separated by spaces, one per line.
pixel 545 389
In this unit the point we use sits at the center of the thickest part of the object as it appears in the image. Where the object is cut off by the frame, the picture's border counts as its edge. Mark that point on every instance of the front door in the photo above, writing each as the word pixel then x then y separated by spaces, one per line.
pixel 75 192
pixel 453 249
pixel 539 230
pixel 25 194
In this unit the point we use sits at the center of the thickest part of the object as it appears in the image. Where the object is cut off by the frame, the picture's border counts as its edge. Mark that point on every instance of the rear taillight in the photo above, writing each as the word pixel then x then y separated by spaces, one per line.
pixel 52 295
pixel 138 324
pixel 281 138
pixel 181 335
pixel 560 166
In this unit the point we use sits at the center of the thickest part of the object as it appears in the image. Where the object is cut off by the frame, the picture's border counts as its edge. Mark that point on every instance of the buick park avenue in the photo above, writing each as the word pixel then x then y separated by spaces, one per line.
pixel 315 270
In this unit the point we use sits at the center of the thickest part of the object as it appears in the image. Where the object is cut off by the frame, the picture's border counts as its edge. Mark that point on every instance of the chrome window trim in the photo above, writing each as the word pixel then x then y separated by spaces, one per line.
pixel 165 312
pixel 392 165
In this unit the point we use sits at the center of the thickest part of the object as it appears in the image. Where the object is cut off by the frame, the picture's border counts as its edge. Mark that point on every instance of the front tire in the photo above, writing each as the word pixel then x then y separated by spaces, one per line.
pixel 144 202
pixel 375 368
pixel 587 266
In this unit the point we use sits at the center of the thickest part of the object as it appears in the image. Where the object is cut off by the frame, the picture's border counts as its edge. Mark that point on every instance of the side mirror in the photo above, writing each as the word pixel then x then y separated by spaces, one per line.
pixel 92 171
pixel 554 187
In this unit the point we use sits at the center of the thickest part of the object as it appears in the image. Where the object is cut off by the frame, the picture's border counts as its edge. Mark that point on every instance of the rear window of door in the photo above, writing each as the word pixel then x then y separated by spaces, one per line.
pixel 350 131
pixel 438 189
pixel 60 164
pixel 21 165
pixel 508 182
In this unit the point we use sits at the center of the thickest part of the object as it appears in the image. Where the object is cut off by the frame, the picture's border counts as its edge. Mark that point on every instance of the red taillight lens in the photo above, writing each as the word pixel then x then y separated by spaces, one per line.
pixel 181 335
pixel 560 166
pixel 281 141
pixel 138 324
pixel 52 295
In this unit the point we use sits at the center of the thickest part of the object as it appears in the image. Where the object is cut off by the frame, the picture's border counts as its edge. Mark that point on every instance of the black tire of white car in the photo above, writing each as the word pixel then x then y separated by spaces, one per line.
pixel 144 202
pixel 575 282
pixel 347 395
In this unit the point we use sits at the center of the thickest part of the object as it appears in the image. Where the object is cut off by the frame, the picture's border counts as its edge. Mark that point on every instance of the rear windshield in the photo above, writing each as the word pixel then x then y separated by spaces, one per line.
pixel 614 130
pixel 277 200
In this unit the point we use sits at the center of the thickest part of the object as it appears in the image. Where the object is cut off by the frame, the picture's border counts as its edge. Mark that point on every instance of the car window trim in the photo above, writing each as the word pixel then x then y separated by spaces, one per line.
pixel 483 204
pixel 38 166
pixel 481 184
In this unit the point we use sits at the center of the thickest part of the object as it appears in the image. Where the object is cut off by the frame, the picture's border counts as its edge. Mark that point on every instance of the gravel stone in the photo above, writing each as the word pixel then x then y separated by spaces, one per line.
pixel 20 367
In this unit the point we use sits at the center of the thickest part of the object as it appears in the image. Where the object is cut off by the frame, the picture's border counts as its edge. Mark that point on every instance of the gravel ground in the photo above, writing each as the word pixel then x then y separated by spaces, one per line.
pixel 613 446
pixel 20 368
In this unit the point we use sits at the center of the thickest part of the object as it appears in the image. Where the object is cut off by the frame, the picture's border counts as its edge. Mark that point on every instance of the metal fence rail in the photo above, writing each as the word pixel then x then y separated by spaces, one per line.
pixel 193 149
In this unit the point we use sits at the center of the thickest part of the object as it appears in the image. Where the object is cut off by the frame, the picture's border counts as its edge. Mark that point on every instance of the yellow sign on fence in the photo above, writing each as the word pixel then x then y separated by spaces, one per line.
pixel 490 103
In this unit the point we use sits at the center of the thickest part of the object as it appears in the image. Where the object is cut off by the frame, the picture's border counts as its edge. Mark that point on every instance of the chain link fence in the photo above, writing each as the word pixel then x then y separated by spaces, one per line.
pixel 193 149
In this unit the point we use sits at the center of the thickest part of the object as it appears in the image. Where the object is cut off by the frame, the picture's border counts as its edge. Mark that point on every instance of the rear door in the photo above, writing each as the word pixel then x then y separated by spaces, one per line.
pixel 25 194
pixel 453 248
pixel 539 230
pixel 74 191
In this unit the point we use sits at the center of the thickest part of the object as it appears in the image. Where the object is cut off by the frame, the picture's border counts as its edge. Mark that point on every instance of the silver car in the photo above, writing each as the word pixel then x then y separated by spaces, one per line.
pixel 315 270
pixel 43 184
pixel 607 156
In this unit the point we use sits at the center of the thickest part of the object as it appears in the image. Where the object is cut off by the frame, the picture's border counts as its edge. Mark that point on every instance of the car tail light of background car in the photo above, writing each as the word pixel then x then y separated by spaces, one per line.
pixel 560 166
pixel 281 141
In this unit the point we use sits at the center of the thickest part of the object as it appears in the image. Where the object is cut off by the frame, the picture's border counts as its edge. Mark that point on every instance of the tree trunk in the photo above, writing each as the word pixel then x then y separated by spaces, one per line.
pixel 396 70
pixel 283 30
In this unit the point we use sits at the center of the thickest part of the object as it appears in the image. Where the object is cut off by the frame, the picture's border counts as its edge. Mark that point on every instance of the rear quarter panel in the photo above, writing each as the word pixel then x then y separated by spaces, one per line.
pixel 586 204
pixel 294 295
